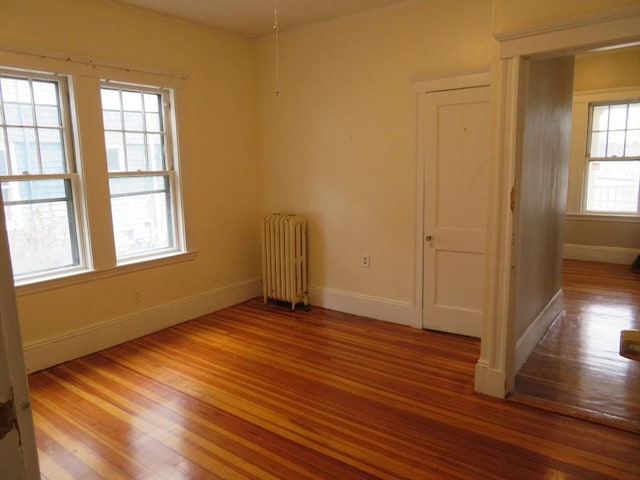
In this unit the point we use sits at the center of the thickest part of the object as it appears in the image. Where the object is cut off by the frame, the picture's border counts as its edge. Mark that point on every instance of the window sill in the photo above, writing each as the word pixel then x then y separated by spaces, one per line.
pixel 604 217
pixel 84 276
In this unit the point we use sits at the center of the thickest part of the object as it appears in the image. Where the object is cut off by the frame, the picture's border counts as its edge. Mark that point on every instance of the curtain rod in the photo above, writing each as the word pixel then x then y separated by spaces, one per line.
pixel 89 62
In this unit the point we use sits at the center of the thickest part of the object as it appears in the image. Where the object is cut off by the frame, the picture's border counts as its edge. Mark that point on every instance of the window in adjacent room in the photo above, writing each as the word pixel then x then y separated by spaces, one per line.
pixel 613 158
pixel 138 141
pixel 40 185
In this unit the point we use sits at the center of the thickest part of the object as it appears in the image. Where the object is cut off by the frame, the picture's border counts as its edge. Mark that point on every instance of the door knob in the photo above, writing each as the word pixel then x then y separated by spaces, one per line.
pixel 428 238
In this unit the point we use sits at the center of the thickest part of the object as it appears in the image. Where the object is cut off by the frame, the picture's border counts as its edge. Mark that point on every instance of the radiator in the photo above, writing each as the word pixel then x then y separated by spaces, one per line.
pixel 284 259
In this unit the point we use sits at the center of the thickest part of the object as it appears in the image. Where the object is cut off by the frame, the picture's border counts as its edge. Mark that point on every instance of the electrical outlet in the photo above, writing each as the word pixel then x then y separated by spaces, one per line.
pixel 365 261
pixel 137 297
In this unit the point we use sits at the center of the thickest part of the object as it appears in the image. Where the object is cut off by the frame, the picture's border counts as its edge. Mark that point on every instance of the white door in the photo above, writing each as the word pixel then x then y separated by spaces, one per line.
pixel 456 146
pixel 18 455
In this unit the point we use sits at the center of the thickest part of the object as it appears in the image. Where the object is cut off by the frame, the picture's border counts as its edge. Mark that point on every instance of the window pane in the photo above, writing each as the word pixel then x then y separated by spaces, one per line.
pixel 633 143
pixel 600 118
pixel 4 160
pixel 19 113
pixel 153 122
pixel 52 151
pixel 155 152
pixel 133 121
pixel 135 151
pixel 618 117
pixel 112 119
pixel 110 99
pixel 615 144
pixel 613 186
pixel 22 145
pixel 132 101
pixel 42 232
pixel 115 151
pixel 598 145
pixel 45 93
pixel 48 116
pixel 141 214
pixel 152 102
pixel 633 120
pixel 15 90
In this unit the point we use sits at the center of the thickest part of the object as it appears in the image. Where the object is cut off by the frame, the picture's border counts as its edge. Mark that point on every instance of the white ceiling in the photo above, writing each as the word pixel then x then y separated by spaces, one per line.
pixel 255 18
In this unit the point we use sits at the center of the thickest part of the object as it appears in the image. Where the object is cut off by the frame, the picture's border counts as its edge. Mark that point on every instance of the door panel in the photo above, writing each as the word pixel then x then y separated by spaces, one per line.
pixel 456 139
pixel 18 451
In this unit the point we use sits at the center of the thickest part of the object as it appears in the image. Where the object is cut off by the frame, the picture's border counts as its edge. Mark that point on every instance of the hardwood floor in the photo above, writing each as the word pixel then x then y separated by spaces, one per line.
pixel 261 392
pixel 577 369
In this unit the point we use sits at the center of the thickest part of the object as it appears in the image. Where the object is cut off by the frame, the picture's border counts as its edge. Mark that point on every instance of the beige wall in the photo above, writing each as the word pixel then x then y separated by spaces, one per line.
pixel 543 187
pixel 608 69
pixel 338 144
pixel 217 113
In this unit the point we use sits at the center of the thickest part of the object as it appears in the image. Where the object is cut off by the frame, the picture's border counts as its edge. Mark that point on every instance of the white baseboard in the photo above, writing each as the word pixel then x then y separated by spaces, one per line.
pixel 536 330
pixel 55 350
pixel 489 381
pixel 378 308
pixel 595 253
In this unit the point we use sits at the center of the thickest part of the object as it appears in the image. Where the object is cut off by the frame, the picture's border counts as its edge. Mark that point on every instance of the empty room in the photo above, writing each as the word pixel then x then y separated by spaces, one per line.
pixel 425 147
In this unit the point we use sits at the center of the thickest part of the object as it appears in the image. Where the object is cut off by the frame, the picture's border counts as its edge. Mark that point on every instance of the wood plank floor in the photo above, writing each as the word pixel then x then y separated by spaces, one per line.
pixel 261 392
pixel 576 368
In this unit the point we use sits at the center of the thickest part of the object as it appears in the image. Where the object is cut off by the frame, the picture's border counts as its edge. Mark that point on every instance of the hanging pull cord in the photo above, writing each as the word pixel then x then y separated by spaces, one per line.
pixel 276 32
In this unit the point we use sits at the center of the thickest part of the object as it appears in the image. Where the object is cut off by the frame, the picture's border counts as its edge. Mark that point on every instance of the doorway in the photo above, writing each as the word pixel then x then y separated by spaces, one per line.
pixel 502 345
pixel 576 368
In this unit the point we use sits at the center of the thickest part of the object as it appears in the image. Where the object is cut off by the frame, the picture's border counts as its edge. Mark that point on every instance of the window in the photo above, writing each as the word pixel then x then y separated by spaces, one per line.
pixel 52 194
pixel 613 158
pixel 37 174
pixel 140 168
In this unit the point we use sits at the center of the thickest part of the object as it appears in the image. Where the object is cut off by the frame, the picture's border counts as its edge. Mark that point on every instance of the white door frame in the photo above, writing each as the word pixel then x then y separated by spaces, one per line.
pixel 495 370
pixel 451 81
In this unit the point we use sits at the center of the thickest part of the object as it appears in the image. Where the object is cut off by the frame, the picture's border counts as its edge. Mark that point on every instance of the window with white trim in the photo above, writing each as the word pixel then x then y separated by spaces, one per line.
pixel 40 185
pixel 46 189
pixel 140 165
pixel 613 158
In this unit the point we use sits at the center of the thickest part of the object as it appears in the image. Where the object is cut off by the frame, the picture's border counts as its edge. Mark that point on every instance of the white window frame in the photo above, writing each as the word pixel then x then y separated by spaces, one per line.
pixel 71 175
pixel 589 158
pixel 170 170
pixel 580 137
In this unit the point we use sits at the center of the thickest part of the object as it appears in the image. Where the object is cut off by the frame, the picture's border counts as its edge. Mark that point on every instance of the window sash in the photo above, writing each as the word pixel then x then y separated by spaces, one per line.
pixel 62 128
pixel 612 140
pixel 133 243
pixel 56 247
pixel 143 218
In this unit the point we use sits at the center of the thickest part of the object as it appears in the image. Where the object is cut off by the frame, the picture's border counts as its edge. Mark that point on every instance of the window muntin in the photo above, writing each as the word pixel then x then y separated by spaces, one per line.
pixel 613 158
pixel 141 174
pixel 37 175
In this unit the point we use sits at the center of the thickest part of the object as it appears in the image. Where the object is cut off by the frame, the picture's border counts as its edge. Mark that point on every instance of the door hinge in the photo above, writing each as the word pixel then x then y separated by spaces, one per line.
pixel 512 199
pixel 8 419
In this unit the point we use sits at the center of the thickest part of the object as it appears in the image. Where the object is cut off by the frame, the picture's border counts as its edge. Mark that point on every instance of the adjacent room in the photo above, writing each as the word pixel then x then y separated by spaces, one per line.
pixel 143 142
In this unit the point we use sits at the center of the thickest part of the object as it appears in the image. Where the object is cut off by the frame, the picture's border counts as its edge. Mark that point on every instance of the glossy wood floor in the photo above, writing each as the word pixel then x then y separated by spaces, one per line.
pixel 265 393
pixel 577 368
